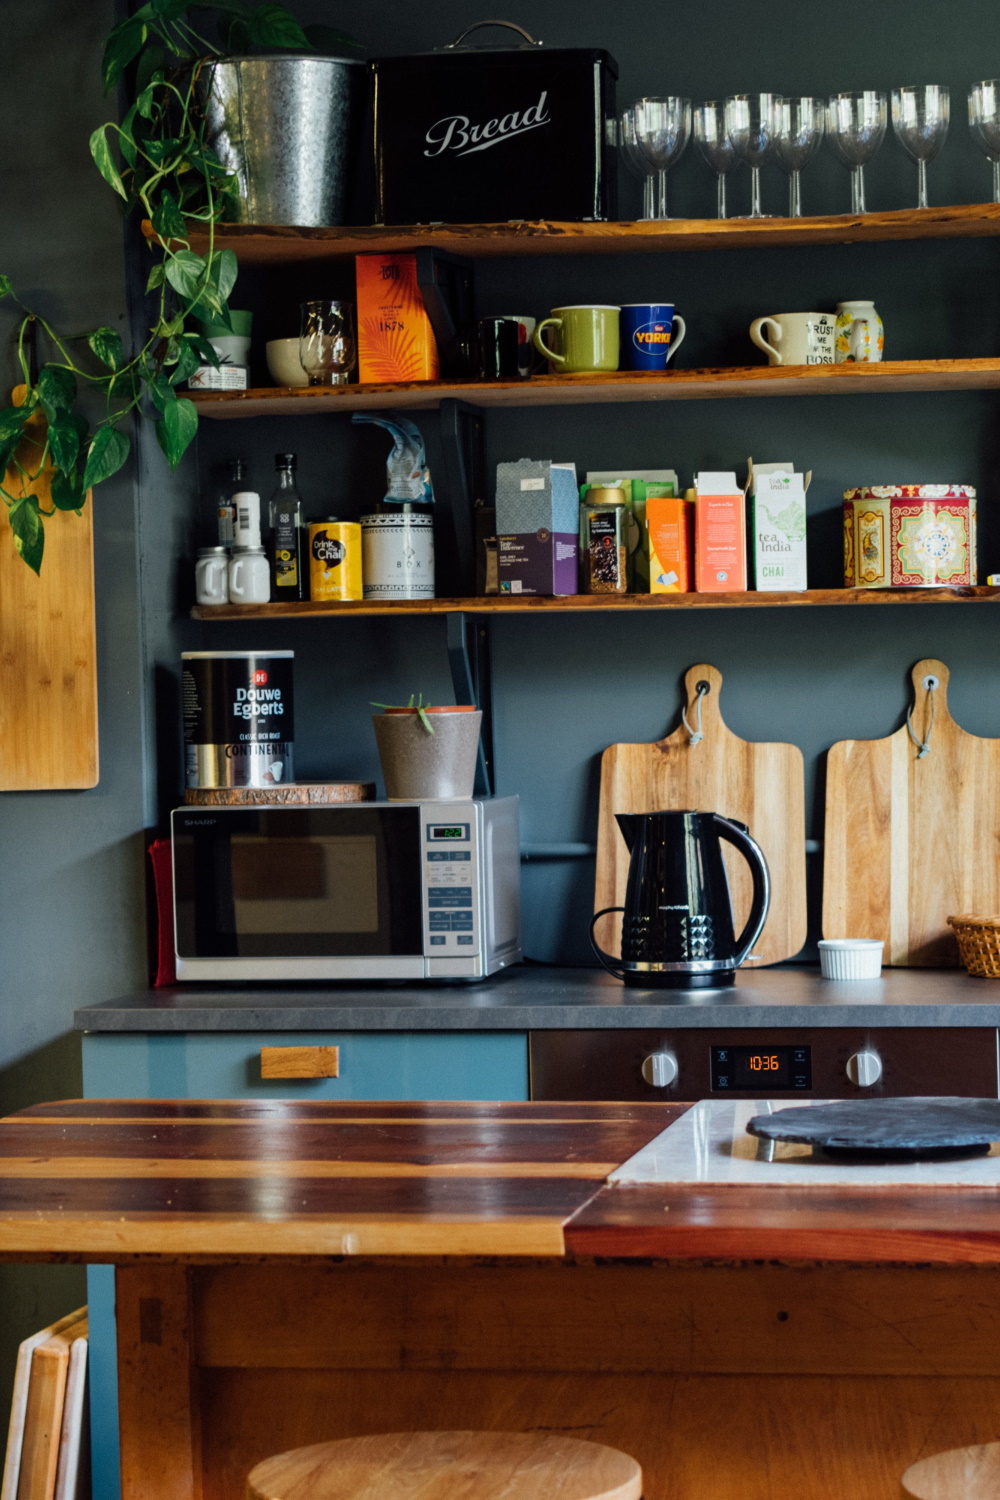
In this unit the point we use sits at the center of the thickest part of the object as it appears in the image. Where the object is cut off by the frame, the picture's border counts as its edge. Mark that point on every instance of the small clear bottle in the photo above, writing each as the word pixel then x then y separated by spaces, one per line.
pixel 225 511
pixel 285 520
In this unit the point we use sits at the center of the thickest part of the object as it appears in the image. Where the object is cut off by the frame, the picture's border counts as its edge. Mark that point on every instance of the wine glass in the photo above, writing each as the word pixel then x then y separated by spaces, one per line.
pixel 327 346
pixel 920 119
pixel 714 145
pixel 662 127
pixel 800 131
pixel 751 125
pixel 855 127
pixel 984 124
pixel 636 160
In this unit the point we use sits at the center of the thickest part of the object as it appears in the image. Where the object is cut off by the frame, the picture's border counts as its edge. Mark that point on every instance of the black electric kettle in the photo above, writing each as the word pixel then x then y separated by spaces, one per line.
pixel 677 928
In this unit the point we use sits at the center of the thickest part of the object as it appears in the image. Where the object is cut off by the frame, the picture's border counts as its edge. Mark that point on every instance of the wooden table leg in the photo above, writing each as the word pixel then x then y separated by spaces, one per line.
pixel 157 1385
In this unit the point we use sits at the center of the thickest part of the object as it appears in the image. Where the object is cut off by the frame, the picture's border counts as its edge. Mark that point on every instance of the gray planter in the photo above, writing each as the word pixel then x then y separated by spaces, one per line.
pixel 288 127
pixel 417 765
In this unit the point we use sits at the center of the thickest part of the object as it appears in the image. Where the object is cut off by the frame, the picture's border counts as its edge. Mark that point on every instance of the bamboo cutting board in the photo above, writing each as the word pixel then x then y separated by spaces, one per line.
pixel 48 646
pixel 911 839
pixel 759 784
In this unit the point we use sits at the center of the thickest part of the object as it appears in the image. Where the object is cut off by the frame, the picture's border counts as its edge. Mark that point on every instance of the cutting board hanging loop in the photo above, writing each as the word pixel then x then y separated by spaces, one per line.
pixel 695 736
pixel 929 683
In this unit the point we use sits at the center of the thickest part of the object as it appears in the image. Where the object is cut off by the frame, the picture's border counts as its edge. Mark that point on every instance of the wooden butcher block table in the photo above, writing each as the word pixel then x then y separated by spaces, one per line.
pixel 289 1273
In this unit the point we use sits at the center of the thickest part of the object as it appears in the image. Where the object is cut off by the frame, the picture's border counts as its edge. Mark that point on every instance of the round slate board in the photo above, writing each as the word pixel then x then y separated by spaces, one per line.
pixel 915 1126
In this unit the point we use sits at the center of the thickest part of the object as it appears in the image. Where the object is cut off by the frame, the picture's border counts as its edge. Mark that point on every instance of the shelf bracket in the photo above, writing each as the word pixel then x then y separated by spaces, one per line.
pixel 463 463
pixel 469 657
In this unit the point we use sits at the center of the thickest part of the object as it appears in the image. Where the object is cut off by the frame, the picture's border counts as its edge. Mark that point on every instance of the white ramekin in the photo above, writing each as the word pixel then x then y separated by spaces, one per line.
pixel 850 958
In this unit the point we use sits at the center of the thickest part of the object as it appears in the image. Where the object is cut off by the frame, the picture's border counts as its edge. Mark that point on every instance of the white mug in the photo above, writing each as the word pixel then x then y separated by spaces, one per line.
pixel 249 576
pixel 808 338
pixel 211 576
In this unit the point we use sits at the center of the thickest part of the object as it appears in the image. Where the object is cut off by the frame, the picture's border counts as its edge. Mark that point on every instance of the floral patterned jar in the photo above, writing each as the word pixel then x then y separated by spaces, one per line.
pixel 860 336
pixel 909 536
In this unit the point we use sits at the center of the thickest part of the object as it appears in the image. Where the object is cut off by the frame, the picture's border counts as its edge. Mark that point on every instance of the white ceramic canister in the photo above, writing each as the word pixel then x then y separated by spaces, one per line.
pixel 850 958
pixel 860 334
pixel 249 576
pixel 397 555
pixel 211 576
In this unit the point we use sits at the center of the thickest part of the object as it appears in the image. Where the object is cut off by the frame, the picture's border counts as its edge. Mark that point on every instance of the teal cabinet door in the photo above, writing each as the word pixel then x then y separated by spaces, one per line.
pixel 222 1065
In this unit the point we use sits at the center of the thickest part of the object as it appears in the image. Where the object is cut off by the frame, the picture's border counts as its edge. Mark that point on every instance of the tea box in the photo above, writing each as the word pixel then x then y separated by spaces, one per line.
pixel 395 338
pixel 909 536
pixel 537 527
pixel 720 563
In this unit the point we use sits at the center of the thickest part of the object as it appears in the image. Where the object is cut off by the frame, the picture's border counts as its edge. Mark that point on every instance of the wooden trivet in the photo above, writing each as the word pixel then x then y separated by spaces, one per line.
pixel 295 794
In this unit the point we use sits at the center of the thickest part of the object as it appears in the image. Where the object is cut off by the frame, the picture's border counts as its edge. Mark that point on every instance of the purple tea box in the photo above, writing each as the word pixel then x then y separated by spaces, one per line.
pixel 537 505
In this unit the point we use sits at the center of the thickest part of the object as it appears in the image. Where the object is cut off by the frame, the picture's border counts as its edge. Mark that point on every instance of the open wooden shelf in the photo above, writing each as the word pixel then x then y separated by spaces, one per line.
pixel 891 376
pixel 276 245
pixel 586 603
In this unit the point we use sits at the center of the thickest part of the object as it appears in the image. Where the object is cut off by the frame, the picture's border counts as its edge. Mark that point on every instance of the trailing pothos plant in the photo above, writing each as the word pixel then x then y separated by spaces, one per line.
pixel 160 164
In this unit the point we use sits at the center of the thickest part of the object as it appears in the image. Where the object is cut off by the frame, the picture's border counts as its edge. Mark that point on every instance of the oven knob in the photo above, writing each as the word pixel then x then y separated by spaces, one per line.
pixel 864 1069
pixel 660 1069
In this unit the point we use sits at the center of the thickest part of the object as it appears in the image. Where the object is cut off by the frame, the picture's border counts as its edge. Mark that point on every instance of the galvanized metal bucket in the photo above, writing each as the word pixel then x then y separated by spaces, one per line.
pixel 288 127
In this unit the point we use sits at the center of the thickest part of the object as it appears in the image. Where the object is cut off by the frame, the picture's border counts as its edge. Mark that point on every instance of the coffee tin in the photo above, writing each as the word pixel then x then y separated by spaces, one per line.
pixel 335 560
pixel 239 728
pixel 397 553
pixel 909 536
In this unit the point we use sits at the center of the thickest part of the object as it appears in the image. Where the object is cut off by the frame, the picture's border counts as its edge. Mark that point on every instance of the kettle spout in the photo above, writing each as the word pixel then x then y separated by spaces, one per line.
pixel 629 823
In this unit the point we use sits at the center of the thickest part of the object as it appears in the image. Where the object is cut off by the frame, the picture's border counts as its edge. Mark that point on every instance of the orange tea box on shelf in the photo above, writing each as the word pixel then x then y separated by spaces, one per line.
pixel 395 338
pixel 720 561
pixel 668 520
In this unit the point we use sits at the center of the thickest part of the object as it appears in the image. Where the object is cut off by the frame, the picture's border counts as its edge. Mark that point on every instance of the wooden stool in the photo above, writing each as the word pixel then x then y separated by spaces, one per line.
pixel 959 1474
pixel 438 1465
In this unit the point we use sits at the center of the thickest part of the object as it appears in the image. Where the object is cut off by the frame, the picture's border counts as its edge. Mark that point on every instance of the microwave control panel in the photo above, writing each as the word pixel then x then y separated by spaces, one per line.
pixel 451 909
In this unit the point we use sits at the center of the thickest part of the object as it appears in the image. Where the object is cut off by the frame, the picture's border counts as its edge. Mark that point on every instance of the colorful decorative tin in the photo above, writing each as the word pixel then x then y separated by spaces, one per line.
pixel 909 536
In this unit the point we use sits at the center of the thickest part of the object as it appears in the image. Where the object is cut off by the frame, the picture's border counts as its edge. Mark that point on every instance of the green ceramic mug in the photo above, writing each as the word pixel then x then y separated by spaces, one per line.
pixel 588 339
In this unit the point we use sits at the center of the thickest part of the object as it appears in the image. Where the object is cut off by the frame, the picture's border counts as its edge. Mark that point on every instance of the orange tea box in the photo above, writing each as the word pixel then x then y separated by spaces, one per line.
pixel 395 338
pixel 668 519
pixel 720 561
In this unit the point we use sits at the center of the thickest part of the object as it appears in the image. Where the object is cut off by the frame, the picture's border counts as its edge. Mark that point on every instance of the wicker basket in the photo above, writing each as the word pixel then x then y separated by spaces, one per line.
pixel 978 944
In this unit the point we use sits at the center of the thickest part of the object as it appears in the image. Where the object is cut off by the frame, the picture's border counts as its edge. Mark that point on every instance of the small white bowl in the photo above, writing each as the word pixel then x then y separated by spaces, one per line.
pixel 283 362
pixel 850 958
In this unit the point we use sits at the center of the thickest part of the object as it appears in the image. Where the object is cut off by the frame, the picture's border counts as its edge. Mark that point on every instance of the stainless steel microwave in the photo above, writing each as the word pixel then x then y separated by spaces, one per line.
pixel 373 890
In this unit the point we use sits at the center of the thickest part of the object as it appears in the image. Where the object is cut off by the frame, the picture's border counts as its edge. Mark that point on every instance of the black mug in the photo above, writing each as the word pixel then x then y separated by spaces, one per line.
pixel 497 349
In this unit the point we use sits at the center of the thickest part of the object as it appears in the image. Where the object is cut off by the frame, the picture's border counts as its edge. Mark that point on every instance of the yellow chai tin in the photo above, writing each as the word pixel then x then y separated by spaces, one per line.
pixel 909 536
pixel 335 560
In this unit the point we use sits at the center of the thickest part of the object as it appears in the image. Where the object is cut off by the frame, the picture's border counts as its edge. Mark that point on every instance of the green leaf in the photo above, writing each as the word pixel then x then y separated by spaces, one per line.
pixel 12 420
pixel 177 428
pixel 184 270
pixel 168 221
pixel 159 150
pixel 106 343
pixel 67 491
pixel 144 103
pixel 155 277
pixel 224 271
pixel 64 444
pixel 187 363
pixel 126 143
pixel 148 67
pixel 274 26
pixel 29 533
pixel 329 39
pixel 101 152
pixel 160 391
pixel 108 451
pixel 56 391
pixel 122 46
pixel 6 286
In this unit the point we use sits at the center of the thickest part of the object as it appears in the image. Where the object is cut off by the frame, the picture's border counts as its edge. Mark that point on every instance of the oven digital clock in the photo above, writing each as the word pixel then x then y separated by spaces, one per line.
pixel 765 1069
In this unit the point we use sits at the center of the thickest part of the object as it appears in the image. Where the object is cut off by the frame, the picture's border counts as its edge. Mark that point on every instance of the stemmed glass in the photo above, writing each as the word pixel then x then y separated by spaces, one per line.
pixel 327 346
pixel 984 123
pixel 800 131
pixel 855 127
pixel 636 160
pixel 751 125
pixel 662 127
pixel 920 119
pixel 714 145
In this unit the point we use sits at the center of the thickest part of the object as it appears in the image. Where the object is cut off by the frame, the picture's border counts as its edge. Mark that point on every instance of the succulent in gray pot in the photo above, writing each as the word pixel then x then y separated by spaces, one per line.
pixel 428 751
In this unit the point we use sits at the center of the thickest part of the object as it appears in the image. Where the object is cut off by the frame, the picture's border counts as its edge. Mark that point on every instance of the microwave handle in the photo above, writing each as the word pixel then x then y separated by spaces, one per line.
pixel 478 26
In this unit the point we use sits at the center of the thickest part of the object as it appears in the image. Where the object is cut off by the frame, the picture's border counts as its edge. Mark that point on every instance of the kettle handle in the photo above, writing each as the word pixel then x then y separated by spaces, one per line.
pixel 609 963
pixel 736 834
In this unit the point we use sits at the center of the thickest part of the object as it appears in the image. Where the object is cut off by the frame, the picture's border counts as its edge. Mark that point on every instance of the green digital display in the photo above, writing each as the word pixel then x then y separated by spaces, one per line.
pixel 449 833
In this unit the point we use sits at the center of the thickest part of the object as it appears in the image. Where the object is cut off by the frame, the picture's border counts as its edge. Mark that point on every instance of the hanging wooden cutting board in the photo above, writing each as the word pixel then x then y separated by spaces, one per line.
pixel 912 838
pixel 761 785
pixel 48 645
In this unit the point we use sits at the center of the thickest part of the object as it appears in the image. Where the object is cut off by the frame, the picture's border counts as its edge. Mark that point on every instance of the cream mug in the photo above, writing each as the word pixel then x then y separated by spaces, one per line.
pixel 808 338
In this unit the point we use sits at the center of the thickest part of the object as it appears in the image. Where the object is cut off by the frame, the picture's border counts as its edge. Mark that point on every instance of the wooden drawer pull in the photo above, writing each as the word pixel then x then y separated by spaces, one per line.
pixel 300 1062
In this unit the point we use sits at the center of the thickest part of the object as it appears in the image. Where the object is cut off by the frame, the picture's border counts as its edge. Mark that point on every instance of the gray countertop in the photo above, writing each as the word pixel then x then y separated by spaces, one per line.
pixel 545 999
